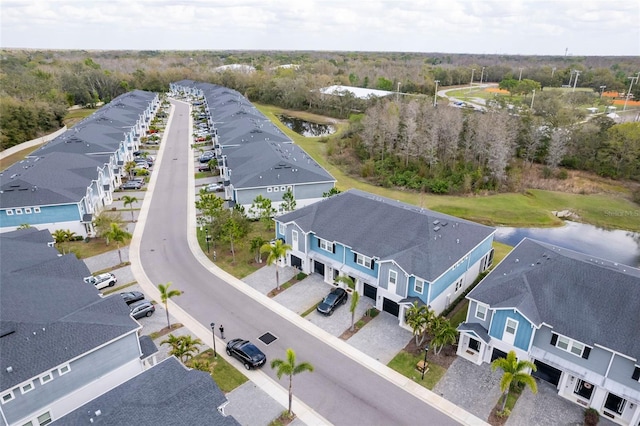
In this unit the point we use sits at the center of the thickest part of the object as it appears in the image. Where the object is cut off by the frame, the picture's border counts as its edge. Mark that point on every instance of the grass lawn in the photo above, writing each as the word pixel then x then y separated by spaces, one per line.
pixel 405 364
pixel 18 156
pixel 461 313
pixel 76 115
pixel 529 209
pixel 94 247
pixel 224 374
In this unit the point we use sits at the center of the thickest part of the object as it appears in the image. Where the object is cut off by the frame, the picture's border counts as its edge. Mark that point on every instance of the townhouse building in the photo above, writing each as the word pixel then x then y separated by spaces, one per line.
pixel 573 315
pixel 396 254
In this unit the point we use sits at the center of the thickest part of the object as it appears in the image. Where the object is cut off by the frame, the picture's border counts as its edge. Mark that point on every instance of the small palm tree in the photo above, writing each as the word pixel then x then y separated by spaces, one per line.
pixel 256 244
pixel 128 201
pixel 355 298
pixel 183 347
pixel 514 374
pixel 419 319
pixel 165 295
pixel 118 235
pixel 24 226
pixel 275 251
pixel 443 334
pixel 289 368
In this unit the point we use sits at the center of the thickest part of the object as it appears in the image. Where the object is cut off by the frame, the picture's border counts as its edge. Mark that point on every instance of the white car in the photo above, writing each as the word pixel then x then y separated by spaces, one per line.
pixel 101 281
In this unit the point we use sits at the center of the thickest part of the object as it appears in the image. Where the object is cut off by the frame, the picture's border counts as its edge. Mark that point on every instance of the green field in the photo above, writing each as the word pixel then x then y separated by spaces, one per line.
pixel 530 209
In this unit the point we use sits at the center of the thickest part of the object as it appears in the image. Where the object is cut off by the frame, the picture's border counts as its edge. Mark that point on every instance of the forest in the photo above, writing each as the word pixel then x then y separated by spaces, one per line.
pixel 398 141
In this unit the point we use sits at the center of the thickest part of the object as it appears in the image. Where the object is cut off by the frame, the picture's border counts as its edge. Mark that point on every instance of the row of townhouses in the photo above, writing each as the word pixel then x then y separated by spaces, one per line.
pixel 70 356
pixel 68 181
pixel 254 156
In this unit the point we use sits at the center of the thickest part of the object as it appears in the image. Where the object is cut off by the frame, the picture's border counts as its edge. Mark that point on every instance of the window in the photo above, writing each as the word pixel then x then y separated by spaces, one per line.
pixel 615 403
pixel 325 245
pixel 44 419
pixel 26 387
pixel 9 212
pixel 570 345
pixel 283 188
pixel 510 330
pixel 481 312
pixel 276 189
pixel 18 211
pixel 281 228
pixel 36 209
pixel 393 277
pixel 474 344
pixel 459 284
pixel 64 369
pixel 636 374
pixel 418 287
pixel 27 210
pixel 7 397
pixel 269 189
pixel 363 261
pixel 46 378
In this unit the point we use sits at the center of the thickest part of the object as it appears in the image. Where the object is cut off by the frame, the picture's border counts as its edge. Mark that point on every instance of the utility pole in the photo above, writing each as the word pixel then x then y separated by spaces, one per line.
pixel 602 90
pixel 553 71
pixel 473 70
pixel 435 95
pixel 533 96
pixel 398 92
pixel 482 75
pixel 520 78
pixel 575 81
pixel 633 80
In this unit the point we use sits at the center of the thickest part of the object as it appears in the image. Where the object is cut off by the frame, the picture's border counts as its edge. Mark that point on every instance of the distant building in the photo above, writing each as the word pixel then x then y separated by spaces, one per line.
pixel 358 92
pixel 254 156
pixel 243 68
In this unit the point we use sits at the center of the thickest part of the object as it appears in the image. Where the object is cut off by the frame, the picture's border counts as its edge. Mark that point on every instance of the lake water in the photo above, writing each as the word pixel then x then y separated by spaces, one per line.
pixel 306 128
pixel 617 246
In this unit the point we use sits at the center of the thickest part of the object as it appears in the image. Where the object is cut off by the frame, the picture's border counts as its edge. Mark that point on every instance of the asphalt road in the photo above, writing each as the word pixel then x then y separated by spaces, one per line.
pixel 340 389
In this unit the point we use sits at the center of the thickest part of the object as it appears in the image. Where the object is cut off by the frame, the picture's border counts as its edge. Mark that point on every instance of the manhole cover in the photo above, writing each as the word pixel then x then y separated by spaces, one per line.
pixel 267 338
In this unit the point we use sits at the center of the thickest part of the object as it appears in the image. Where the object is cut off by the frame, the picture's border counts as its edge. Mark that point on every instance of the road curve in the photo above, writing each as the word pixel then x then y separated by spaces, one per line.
pixel 341 389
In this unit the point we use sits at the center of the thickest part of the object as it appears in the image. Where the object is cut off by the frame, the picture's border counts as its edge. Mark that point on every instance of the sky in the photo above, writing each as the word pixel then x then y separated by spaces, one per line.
pixel 526 27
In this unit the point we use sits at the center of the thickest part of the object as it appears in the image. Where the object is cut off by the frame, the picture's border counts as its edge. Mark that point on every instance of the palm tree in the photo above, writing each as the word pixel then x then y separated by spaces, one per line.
pixel 443 334
pixel 24 226
pixel 165 295
pixel 289 368
pixel 256 244
pixel 63 236
pixel 514 374
pixel 275 251
pixel 183 347
pixel 355 298
pixel 419 319
pixel 118 235
pixel 129 200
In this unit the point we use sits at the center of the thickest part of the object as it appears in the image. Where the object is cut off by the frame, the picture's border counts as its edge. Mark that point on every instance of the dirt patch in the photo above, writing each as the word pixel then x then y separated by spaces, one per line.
pixel 359 324
pixel 494 419
pixel 444 359
pixel 496 90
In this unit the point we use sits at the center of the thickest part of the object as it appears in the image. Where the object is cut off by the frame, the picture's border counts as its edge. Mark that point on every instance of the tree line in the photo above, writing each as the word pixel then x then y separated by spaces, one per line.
pixel 36 87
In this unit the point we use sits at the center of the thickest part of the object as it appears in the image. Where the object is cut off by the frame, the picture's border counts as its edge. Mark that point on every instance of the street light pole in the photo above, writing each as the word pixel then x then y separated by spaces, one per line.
pixel 473 70
pixel 482 75
pixel 533 96
pixel 435 95
pixel 575 82
pixel 602 90
pixel 633 80
pixel 424 367
pixel 208 239
pixel 213 334
pixel 398 92
pixel 520 78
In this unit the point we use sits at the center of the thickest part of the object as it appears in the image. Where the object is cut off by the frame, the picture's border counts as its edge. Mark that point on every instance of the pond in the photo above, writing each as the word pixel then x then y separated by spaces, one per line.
pixel 307 128
pixel 616 245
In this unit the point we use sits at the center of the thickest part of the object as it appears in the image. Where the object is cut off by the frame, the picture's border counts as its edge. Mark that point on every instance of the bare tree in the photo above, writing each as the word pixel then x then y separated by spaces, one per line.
pixel 557 147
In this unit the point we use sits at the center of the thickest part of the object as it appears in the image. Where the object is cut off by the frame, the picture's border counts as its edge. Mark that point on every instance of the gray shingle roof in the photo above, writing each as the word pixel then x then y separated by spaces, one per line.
pixel 51 314
pixel 147 346
pixel 591 300
pixel 166 394
pixel 385 229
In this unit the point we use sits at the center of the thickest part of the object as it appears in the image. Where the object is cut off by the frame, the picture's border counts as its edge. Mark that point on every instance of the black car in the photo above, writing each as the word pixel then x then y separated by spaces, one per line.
pixel 130 297
pixel 337 297
pixel 247 353
pixel 207 156
pixel 132 184
pixel 140 309
pixel 204 168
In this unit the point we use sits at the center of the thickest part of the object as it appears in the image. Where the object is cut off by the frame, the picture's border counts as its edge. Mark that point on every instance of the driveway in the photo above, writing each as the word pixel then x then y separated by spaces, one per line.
pixel 264 279
pixel 474 387
pixel 381 338
pixel 303 295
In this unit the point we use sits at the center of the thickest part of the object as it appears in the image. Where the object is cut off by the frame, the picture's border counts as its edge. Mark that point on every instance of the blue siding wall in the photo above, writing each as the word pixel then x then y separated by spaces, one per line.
pixel 48 214
pixel 337 256
pixel 349 261
pixel 412 293
pixel 481 250
pixel 523 334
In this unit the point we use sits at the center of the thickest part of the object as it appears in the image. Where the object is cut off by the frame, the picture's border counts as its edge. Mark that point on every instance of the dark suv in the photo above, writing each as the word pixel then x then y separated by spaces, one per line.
pixel 247 353
pixel 337 297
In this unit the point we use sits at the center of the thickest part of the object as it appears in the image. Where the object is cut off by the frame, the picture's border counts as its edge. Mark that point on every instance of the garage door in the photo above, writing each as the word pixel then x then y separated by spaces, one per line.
pixel 547 373
pixel 497 353
pixel 318 267
pixel 370 291
pixel 390 306
pixel 296 262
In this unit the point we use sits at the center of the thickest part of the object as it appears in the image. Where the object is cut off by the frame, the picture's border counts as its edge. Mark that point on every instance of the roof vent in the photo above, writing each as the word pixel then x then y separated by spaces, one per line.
pixel 436 229
pixel 457 240
pixel 9 369
pixel 517 260
pixel 435 222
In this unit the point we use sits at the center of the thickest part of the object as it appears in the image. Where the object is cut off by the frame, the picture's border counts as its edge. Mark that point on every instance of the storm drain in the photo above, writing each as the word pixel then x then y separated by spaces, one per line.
pixel 267 338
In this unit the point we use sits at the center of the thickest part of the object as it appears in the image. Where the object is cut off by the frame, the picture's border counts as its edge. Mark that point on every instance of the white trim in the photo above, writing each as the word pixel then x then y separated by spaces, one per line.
pixel 415 285
pixel 9 212
pixel 515 331
pixel 67 366
pixel 10 393
pixel 29 387
pixel 328 246
pixel 571 344
pixel 43 378
pixel 27 210
pixel 364 260
pixel 19 211
pixel 486 311
pixel 395 278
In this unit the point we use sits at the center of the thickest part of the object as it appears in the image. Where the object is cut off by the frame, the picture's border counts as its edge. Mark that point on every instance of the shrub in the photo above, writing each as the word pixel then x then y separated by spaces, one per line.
pixel 301 276
pixel 636 196
pixel 562 174
pixel 547 172
pixel 591 417
pixel 504 413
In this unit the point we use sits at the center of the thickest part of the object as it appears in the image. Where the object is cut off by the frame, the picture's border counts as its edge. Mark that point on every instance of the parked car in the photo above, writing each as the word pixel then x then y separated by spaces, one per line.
pixel 337 297
pixel 101 281
pixel 140 309
pixel 214 187
pixel 247 353
pixel 130 297
pixel 207 156
pixel 204 168
pixel 132 184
